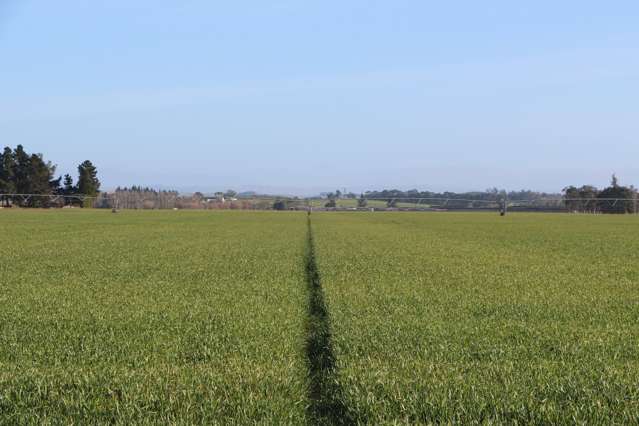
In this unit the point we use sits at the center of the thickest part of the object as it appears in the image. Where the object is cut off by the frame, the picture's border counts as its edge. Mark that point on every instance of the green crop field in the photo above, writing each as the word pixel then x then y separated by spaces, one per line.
pixel 152 317
pixel 232 317
pixel 469 317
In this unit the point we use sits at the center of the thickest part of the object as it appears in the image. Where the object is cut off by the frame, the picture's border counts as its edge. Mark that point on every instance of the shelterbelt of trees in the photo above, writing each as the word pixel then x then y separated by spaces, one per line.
pixel 493 194
pixel 612 199
pixel 471 199
pixel 24 173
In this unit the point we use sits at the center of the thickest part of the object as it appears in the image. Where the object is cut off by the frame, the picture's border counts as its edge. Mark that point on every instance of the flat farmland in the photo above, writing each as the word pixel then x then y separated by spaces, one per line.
pixel 469 317
pixel 235 317
pixel 152 317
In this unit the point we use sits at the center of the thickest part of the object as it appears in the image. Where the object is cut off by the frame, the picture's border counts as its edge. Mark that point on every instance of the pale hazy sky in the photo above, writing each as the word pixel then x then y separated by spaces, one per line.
pixel 302 96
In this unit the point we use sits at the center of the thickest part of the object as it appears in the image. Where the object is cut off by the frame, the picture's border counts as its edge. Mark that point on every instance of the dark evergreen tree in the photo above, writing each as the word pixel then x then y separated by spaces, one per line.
pixel 88 183
pixel 30 175
pixel 40 180
pixel 7 170
pixel 21 168
pixel 69 188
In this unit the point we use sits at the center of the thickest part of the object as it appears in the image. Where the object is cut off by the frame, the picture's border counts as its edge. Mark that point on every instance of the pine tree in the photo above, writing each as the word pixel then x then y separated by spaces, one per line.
pixel 40 179
pixel 88 183
pixel 7 181
pixel 7 169
pixel 68 188
pixel 21 169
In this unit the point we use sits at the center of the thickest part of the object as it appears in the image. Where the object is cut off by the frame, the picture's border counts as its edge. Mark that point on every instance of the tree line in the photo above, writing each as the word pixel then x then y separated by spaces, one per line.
pixel 31 174
pixel 138 197
pixel 145 198
pixel 473 199
pixel 493 194
pixel 614 198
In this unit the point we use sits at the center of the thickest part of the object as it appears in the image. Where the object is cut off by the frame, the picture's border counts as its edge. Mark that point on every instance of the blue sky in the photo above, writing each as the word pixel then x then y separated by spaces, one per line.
pixel 304 96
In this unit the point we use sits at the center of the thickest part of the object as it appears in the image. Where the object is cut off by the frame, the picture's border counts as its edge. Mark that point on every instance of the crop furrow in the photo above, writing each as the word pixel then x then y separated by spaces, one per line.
pixel 327 405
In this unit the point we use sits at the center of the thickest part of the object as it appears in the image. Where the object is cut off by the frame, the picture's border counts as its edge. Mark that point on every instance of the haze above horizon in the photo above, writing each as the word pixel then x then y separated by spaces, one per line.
pixel 302 97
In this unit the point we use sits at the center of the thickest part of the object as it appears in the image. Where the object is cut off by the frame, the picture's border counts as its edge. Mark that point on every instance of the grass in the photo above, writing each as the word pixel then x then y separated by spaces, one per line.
pixel 471 318
pixel 152 317
pixel 231 317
